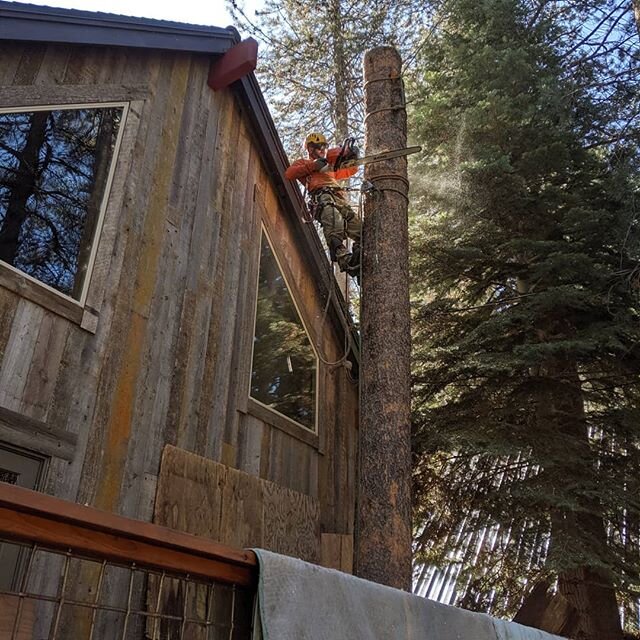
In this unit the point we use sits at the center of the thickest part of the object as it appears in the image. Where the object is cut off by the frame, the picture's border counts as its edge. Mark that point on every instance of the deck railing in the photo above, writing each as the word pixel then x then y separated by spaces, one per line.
pixel 77 572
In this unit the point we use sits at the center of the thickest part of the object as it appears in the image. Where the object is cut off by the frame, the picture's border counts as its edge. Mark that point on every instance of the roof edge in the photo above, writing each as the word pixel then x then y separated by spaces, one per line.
pixel 27 22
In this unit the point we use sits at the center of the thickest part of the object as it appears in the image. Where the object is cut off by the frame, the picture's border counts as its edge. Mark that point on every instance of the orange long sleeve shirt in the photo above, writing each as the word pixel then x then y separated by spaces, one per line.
pixel 305 170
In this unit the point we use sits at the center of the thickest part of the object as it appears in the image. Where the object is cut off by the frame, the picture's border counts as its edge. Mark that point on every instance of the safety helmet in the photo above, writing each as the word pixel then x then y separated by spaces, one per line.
pixel 315 138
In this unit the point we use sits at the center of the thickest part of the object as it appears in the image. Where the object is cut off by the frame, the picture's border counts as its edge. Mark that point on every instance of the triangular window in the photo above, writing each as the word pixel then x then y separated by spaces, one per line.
pixel 284 367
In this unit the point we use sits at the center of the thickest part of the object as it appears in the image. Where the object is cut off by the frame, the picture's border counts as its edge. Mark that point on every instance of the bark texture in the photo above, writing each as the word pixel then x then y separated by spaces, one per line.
pixel 340 73
pixel 588 589
pixel 383 533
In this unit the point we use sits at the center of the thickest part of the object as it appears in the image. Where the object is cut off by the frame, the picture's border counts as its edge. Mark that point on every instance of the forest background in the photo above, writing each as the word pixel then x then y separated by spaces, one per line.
pixel 525 283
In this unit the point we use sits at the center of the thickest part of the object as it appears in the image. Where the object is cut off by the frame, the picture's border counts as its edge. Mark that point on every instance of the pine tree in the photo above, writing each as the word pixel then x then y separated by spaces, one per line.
pixel 526 339
pixel 311 60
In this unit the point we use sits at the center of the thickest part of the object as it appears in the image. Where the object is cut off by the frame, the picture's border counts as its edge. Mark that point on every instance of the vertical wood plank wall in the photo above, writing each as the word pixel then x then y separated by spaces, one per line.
pixel 174 294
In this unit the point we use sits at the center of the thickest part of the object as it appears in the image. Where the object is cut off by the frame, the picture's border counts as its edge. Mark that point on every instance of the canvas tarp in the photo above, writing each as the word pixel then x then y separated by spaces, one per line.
pixel 301 601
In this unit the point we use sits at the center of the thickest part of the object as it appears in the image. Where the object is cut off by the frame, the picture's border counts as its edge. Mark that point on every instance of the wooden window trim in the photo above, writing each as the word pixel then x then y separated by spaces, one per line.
pixel 260 410
pixel 30 288
pixel 34 435
pixel 281 422
pixel 43 295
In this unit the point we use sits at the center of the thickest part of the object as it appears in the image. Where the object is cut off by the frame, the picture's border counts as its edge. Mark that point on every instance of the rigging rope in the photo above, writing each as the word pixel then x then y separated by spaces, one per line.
pixel 348 343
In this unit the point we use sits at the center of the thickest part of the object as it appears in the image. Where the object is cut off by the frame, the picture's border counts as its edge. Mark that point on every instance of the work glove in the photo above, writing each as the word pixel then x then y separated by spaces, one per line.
pixel 322 165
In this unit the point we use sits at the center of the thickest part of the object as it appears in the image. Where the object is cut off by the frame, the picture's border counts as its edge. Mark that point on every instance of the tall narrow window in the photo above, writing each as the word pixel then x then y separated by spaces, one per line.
pixel 54 168
pixel 283 375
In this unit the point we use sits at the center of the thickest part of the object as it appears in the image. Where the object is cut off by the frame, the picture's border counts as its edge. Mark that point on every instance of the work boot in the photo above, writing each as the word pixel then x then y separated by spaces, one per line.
pixel 354 262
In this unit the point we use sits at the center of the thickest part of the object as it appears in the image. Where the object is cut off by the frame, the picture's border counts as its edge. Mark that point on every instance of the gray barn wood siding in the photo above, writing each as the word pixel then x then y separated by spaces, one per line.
pixel 172 298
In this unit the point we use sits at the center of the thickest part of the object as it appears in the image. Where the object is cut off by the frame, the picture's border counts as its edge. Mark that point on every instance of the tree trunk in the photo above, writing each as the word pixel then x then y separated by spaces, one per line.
pixel 636 13
pixel 383 528
pixel 589 590
pixel 340 73
pixel 24 185
pixel 592 595
pixel 547 611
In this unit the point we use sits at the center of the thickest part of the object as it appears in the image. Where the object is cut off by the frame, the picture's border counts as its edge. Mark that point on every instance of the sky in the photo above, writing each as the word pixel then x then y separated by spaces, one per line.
pixel 208 12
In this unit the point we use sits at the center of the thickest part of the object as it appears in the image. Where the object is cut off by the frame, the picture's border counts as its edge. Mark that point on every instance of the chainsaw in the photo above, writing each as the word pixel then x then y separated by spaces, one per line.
pixel 348 155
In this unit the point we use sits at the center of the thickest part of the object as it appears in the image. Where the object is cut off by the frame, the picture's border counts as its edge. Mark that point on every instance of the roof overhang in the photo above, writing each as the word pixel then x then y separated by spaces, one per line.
pixel 30 22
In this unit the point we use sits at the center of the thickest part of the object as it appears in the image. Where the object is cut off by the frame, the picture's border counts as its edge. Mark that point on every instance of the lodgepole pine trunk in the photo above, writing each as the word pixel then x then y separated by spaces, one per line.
pixel 383 527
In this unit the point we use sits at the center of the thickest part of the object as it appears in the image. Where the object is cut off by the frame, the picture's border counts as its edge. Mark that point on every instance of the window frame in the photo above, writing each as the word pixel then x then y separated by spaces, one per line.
pixel 23 283
pixel 20 555
pixel 260 409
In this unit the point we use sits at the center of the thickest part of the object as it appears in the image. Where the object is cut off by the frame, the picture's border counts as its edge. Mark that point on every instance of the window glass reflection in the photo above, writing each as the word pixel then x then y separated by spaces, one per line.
pixel 283 374
pixel 53 174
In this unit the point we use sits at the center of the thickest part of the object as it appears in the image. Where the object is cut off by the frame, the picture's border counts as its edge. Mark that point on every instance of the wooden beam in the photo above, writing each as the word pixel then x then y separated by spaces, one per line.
pixel 236 63
pixel 36 435
pixel 29 516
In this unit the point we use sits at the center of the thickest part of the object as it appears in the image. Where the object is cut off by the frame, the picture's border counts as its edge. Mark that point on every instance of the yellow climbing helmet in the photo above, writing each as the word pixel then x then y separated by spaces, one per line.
pixel 315 138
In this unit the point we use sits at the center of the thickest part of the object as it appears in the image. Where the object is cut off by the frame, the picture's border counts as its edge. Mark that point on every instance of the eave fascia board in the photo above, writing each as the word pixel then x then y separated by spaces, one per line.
pixel 33 23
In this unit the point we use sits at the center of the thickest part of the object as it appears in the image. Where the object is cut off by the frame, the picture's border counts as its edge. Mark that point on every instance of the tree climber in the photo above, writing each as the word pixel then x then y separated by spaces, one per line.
pixel 319 174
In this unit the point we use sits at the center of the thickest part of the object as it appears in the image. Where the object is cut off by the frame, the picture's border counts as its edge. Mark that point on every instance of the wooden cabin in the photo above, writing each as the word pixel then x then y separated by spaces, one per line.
pixel 169 327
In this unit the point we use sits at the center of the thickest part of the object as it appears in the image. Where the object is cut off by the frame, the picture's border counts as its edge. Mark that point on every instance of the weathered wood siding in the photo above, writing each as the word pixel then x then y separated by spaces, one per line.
pixel 164 357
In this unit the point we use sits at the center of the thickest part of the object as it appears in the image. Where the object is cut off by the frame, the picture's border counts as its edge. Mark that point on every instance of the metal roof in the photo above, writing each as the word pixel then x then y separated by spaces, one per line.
pixel 19 21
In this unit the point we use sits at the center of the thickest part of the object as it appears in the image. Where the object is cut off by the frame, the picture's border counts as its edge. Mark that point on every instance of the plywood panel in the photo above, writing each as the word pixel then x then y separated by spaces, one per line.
pixel 243 510
pixel 291 523
pixel 200 496
pixel 189 496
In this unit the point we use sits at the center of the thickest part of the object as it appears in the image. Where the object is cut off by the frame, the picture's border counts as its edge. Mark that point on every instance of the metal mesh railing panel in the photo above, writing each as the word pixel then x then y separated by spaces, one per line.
pixel 61 595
